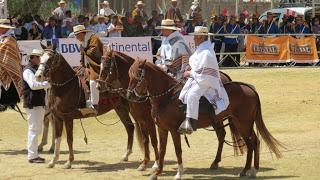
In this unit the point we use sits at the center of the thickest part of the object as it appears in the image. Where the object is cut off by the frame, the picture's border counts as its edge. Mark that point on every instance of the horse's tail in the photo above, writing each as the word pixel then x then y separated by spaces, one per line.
pixel 138 133
pixel 238 143
pixel 271 141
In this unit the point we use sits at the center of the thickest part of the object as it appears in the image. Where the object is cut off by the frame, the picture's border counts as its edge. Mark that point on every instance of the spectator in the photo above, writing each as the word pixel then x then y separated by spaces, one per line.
pixel 115 28
pixel 192 23
pixel 86 21
pixel 316 30
pixel 28 20
pixel 40 22
pixel 270 27
pixel 256 26
pixel 35 32
pixel 231 42
pixel 101 27
pixel 139 16
pixel 106 10
pixel 301 27
pixel 195 11
pixel 67 28
pixel 69 15
pixel 174 12
pixel 52 31
pixel 153 22
pixel 20 31
pixel 244 29
pixel 81 19
pixel 129 28
pixel 286 26
pixel 60 12
pixel 217 27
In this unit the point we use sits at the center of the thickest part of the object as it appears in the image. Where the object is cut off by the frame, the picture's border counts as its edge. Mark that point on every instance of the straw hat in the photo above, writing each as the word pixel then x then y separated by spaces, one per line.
pixel 168 24
pixel 196 2
pixel 62 2
pixel 173 0
pixel 36 52
pixel 5 23
pixel 140 3
pixel 201 31
pixel 105 3
pixel 79 29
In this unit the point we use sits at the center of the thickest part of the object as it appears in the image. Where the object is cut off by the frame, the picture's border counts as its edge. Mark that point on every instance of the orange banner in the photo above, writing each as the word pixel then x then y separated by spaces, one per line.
pixel 303 50
pixel 267 49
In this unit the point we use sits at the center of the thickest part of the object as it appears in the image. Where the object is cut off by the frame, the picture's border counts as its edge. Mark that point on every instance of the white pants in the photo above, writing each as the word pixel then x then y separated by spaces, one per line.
pixel 191 98
pixel 94 92
pixel 35 118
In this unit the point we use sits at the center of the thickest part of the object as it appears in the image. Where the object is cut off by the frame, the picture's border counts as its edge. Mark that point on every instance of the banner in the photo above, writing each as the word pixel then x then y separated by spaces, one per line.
pixel 303 50
pixel 136 47
pixel 267 49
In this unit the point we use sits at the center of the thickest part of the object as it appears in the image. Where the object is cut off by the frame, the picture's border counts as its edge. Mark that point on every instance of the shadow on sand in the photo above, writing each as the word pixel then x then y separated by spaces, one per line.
pixel 24 152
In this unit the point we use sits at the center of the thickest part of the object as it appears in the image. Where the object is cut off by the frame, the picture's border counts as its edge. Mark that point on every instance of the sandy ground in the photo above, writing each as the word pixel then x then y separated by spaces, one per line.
pixel 290 105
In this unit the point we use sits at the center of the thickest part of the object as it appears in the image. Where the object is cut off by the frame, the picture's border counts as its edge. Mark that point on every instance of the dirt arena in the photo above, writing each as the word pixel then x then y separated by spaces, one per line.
pixel 290 101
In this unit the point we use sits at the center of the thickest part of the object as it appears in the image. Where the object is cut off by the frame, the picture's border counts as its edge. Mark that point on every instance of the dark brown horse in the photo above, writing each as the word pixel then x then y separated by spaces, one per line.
pixel 244 110
pixel 114 74
pixel 67 95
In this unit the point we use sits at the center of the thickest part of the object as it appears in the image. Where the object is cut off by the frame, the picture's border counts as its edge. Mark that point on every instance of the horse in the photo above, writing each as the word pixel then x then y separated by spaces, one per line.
pixel 244 110
pixel 118 78
pixel 114 75
pixel 67 95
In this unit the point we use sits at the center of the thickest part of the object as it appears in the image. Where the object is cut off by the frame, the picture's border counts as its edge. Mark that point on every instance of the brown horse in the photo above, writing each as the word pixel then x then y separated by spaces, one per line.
pixel 67 95
pixel 244 109
pixel 117 79
pixel 114 74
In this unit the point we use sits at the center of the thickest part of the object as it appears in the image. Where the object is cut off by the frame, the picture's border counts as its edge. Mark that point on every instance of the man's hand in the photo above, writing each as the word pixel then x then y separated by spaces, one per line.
pixel 186 74
pixel 81 50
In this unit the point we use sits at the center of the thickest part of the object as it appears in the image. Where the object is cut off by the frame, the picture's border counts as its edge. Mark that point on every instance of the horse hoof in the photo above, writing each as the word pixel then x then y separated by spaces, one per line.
pixel 50 165
pixel 40 149
pixel 253 173
pixel 142 167
pixel 125 158
pixel 214 166
pixel 51 150
pixel 177 177
pixel 153 177
pixel 243 174
pixel 155 166
pixel 66 166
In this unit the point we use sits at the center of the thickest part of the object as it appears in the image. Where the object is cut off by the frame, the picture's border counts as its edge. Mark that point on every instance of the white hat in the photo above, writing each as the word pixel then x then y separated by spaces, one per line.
pixel 62 2
pixel 36 52
pixel 105 3
pixel 196 2
pixel 168 24
pixel 79 29
pixel 201 31
pixel 140 3
pixel 173 0
pixel 5 23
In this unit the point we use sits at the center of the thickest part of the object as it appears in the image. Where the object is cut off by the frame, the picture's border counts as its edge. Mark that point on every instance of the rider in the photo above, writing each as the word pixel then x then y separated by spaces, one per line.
pixel 91 51
pixel 203 80
pixel 174 52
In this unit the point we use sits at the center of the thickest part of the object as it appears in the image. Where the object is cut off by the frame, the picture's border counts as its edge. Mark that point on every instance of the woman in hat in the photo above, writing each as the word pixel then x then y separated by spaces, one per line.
pixel 115 28
pixel 106 10
pixel 174 52
pixel 203 80
pixel 33 103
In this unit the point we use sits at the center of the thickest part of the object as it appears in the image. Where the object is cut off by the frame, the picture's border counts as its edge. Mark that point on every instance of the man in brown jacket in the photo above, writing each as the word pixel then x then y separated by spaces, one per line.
pixel 174 12
pixel 91 51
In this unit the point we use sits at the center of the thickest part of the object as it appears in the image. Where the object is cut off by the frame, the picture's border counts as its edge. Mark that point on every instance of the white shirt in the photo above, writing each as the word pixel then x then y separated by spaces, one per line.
pixel 114 33
pixel 106 11
pixel 60 12
pixel 30 78
pixel 101 28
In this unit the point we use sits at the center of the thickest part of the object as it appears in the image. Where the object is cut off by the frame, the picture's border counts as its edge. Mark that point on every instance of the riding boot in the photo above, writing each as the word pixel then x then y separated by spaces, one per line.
pixel 188 126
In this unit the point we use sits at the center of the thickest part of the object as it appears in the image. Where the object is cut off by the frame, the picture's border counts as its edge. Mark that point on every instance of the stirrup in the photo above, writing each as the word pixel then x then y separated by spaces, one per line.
pixel 185 127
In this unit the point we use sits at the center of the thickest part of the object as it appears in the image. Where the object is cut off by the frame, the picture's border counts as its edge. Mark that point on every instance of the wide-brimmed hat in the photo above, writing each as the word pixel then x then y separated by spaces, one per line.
pixel 5 23
pixel 201 31
pixel 173 0
pixel 105 3
pixel 62 2
pixel 140 3
pixel 168 24
pixel 79 29
pixel 101 17
pixel 196 2
pixel 36 52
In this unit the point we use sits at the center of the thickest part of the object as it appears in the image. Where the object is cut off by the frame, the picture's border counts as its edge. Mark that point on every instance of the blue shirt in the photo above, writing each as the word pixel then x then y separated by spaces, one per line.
pixel 300 28
pixel 286 29
pixel 48 32
pixel 217 28
pixel 256 28
pixel 232 29
pixel 271 28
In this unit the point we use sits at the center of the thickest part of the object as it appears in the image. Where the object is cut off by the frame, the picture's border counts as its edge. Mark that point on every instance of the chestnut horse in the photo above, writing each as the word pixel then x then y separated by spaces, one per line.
pixel 114 74
pixel 67 95
pixel 244 110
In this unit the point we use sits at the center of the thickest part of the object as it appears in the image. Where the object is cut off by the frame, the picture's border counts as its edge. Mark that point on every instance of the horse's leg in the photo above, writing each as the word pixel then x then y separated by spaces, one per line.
pixel 69 130
pixel 163 137
pixel 177 146
pixel 51 150
pixel 59 128
pixel 123 114
pixel 145 137
pixel 256 149
pixel 221 133
pixel 154 142
pixel 45 132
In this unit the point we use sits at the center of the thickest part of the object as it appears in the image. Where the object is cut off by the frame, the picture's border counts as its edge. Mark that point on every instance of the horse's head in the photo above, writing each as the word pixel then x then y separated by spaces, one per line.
pixel 49 63
pixel 137 88
pixel 108 68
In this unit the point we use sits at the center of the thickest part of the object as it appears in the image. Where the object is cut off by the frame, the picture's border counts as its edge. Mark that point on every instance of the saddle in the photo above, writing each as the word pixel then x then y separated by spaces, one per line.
pixel 205 107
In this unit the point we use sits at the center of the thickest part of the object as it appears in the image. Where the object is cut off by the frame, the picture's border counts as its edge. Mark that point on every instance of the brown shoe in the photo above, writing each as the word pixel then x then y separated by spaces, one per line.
pixel 37 160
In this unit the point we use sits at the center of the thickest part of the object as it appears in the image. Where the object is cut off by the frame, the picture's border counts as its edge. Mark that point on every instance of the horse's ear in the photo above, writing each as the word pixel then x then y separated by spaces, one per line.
pixel 43 46
pixel 143 62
